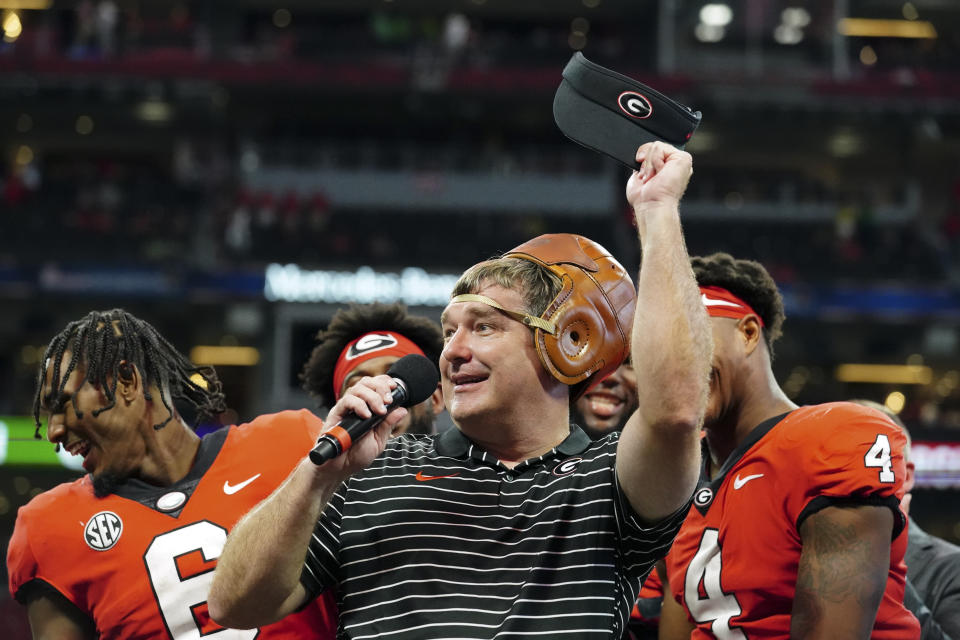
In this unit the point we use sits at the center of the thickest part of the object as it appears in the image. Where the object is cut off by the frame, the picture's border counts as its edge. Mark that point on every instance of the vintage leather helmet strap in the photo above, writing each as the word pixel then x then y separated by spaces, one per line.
pixel 525 318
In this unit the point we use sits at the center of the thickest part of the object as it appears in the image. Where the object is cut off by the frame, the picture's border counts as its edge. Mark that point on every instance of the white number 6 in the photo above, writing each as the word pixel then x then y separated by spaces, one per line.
pixel 178 596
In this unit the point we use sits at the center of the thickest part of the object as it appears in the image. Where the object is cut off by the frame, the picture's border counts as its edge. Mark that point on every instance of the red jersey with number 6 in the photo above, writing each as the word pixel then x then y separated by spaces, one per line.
pixel 733 566
pixel 139 563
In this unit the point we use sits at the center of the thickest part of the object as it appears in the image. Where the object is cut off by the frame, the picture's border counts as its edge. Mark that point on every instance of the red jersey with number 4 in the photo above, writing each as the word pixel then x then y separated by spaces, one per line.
pixel 139 562
pixel 733 566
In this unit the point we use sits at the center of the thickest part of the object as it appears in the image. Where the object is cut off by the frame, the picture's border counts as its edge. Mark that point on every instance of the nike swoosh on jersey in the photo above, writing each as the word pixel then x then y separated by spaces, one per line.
pixel 230 489
pixel 739 482
pixel 424 478
pixel 716 302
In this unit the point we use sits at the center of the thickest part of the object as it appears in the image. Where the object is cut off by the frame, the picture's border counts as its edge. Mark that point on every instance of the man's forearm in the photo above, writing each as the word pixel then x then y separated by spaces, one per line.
pixel 672 343
pixel 659 453
pixel 257 579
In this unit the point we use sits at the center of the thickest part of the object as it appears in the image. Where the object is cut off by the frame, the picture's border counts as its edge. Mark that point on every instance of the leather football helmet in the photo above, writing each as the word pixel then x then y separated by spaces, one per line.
pixel 592 316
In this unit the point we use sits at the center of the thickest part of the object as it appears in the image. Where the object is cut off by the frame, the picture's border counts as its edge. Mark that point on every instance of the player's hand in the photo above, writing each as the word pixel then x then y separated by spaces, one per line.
pixel 662 178
pixel 368 396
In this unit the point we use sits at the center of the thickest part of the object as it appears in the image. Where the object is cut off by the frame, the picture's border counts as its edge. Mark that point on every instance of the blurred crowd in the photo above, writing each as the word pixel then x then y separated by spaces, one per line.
pixel 433 41
pixel 130 211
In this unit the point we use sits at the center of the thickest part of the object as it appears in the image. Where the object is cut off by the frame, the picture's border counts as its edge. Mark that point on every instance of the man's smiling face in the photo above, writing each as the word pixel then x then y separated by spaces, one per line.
pixel 489 366
pixel 609 404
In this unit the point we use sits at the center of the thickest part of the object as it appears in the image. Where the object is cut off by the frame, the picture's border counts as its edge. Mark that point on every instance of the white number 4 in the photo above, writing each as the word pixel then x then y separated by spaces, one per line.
pixel 715 606
pixel 879 456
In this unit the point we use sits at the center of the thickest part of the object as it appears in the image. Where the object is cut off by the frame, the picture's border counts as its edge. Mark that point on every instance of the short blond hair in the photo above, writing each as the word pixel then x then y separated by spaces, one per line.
pixel 537 285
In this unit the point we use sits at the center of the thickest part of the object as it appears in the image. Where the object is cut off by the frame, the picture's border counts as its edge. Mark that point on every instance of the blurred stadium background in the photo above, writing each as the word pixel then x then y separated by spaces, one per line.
pixel 236 171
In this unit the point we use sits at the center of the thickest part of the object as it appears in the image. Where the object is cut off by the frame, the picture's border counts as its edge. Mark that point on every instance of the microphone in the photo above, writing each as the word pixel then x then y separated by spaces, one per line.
pixel 416 379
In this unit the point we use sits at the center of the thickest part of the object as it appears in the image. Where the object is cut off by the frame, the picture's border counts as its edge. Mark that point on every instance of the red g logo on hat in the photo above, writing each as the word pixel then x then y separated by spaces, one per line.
pixel 635 105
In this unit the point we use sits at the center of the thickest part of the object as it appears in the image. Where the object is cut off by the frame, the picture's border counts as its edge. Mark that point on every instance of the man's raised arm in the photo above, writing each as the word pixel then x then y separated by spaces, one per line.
pixel 672 346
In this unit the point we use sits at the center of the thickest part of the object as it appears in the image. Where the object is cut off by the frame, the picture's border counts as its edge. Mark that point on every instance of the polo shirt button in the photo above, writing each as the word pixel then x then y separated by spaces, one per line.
pixel 508 477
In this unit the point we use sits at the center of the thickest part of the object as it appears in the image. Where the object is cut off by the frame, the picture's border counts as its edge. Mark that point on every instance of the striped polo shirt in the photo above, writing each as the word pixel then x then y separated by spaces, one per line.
pixel 439 539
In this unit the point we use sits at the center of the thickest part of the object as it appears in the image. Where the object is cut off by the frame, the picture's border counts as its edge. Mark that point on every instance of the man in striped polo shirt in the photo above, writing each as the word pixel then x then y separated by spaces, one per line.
pixel 514 524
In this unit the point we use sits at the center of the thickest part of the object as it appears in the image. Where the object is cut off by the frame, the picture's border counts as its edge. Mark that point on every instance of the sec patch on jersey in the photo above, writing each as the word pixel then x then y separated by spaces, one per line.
pixel 103 531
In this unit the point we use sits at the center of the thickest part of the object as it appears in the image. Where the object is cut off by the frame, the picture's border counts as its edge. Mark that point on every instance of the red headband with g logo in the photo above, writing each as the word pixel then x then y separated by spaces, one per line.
pixel 720 303
pixel 370 345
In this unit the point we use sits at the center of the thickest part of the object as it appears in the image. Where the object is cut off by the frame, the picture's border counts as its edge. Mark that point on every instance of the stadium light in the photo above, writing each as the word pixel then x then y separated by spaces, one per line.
pixel 12 27
pixel 795 17
pixel 786 34
pixel 871 28
pixel 224 356
pixel 709 33
pixel 884 373
pixel 154 111
pixel 895 401
pixel 716 14
pixel 36 5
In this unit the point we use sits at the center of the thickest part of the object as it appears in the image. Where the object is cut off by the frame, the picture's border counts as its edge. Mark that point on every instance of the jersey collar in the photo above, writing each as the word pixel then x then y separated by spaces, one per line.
pixel 147 494
pixel 752 438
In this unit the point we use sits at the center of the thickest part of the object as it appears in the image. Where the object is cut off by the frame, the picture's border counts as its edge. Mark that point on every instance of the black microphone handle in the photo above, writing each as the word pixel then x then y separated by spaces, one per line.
pixel 329 447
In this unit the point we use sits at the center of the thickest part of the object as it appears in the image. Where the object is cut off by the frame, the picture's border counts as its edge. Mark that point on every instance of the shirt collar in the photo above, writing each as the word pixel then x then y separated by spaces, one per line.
pixel 451 443
pixel 576 442
pixel 454 444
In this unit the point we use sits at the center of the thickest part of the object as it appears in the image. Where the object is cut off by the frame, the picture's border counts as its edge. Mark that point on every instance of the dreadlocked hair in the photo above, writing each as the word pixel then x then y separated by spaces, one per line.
pixel 106 342
pixel 749 281
pixel 353 322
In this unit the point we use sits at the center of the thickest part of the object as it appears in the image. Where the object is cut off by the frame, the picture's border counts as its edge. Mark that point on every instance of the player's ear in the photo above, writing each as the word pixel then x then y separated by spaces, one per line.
pixel 436 400
pixel 911 476
pixel 751 333
pixel 128 380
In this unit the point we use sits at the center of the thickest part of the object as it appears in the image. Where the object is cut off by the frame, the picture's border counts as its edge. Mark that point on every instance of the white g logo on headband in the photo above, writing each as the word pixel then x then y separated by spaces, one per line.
pixel 370 342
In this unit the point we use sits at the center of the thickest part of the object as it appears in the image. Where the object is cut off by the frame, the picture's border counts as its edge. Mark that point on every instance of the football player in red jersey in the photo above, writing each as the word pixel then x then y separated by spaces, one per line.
pixel 365 340
pixel 128 550
pixel 795 529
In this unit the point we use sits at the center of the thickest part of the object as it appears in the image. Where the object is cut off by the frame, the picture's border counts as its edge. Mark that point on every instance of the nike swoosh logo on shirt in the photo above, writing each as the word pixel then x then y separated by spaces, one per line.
pixel 716 302
pixel 230 489
pixel 739 482
pixel 423 478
